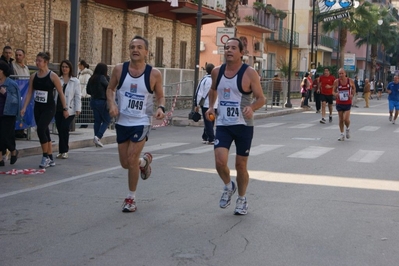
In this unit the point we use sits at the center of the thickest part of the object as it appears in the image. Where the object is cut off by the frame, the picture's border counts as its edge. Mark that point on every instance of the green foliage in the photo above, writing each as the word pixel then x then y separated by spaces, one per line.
pixel 283 66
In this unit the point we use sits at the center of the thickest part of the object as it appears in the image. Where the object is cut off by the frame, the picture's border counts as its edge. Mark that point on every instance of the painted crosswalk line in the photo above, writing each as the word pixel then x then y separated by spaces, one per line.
pixel 302 126
pixel 198 150
pixel 365 156
pixel 271 125
pixel 369 128
pixel 311 152
pixel 163 146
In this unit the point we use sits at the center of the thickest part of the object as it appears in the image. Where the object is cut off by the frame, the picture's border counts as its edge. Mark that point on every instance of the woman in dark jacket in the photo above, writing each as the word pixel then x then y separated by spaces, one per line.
pixel 10 104
pixel 97 87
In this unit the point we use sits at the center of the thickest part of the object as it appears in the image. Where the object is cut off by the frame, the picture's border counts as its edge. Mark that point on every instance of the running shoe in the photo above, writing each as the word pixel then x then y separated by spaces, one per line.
pixel 45 162
pixel 51 163
pixel 323 121
pixel 226 196
pixel 330 119
pixel 342 138
pixel 241 206
pixel 97 142
pixel 390 118
pixel 129 205
pixel 65 155
pixel 393 121
pixel 348 133
pixel 145 171
pixel 59 156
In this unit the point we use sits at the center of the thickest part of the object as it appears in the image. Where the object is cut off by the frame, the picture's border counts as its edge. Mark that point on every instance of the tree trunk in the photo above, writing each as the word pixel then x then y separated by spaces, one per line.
pixel 342 43
pixel 373 57
pixel 231 13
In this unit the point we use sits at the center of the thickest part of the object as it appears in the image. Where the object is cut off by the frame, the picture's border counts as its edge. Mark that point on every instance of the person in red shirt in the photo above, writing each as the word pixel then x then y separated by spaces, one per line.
pixel 344 89
pixel 325 88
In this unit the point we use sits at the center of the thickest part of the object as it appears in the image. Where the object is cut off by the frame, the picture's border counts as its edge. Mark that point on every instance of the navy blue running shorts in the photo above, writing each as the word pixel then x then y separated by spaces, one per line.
pixel 343 107
pixel 134 133
pixel 241 135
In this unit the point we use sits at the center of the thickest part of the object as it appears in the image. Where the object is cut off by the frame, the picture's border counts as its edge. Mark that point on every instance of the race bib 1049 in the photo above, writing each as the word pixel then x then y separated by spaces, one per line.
pixel 132 104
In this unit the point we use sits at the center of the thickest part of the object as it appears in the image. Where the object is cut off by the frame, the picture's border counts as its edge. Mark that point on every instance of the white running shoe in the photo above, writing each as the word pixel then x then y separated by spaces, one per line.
pixel 342 138
pixel 129 205
pixel 348 133
pixel 65 155
pixel 241 206
pixel 390 118
pixel 97 142
pixel 226 196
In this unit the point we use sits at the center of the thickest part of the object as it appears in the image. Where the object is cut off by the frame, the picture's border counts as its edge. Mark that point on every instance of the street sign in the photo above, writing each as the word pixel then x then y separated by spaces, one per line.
pixel 220 49
pixel 223 34
pixel 349 62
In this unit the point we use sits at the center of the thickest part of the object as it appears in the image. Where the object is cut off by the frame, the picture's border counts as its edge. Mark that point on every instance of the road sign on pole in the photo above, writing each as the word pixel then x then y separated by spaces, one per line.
pixel 223 34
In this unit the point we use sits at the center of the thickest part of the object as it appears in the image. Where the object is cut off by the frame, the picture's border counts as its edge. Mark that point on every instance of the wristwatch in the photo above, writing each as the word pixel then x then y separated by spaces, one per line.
pixel 162 108
pixel 65 109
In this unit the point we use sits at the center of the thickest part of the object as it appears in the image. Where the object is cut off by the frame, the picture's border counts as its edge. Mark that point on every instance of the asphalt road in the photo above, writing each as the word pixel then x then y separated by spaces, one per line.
pixel 312 201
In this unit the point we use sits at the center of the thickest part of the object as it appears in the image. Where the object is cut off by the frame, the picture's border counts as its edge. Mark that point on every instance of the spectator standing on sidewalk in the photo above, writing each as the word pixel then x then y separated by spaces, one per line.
pixel 237 88
pixel 97 88
pixel 202 101
pixel 71 89
pixel 366 92
pixel 310 87
pixel 7 57
pixel 277 89
pixel 316 94
pixel 18 64
pixel 43 83
pixel 10 104
pixel 354 99
pixel 84 75
pixel 305 86
pixel 135 83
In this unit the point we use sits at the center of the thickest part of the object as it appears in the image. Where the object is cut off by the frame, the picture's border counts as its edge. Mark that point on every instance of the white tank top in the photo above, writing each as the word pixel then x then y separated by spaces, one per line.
pixel 135 102
pixel 232 101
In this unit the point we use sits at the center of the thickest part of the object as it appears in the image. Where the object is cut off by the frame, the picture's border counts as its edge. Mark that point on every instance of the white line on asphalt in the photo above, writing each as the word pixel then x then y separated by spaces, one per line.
pixel 302 126
pixel 369 128
pixel 205 148
pixel 271 125
pixel 311 152
pixel 163 146
pixel 331 181
pixel 363 156
pixel 54 183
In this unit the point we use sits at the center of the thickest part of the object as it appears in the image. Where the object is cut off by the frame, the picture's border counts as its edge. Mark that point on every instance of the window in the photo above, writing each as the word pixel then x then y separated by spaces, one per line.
pixel 183 50
pixel 106 48
pixel 159 52
pixel 60 41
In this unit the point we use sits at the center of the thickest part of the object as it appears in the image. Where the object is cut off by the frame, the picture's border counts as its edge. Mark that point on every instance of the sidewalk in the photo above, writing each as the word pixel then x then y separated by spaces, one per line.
pixel 83 137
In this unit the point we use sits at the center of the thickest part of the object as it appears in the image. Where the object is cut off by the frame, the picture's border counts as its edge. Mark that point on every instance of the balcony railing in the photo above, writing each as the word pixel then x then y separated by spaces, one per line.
pixel 325 41
pixel 260 18
pixel 283 35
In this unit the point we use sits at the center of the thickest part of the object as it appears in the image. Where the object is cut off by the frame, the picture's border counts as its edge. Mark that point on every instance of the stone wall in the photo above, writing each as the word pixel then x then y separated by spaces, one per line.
pixel 30 25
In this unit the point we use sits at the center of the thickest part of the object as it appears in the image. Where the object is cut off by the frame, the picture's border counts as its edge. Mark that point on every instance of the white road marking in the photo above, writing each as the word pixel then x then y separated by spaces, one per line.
pixel 202 149
pixel 302 126
pixel 364 156
pixel 335 127
pixel 369 128
pixel 260 149
pixel 311 152
pixel 163 146
pixel 271 125
pixel 318 180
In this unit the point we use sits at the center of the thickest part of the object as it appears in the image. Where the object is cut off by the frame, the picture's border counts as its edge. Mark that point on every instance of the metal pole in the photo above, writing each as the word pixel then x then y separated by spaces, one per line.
pixel 197 52
pixel 74 33
pixel 288 104
pixel 313 31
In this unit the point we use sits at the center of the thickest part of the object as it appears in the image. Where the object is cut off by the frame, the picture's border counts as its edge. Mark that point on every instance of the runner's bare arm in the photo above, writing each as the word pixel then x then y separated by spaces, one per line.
pixel 212 95
pixel 28 94
pixel 111 89
pixel 156 77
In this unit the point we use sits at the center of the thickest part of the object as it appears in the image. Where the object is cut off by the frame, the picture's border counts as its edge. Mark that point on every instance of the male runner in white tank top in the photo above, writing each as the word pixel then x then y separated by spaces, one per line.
pixel 235 84
pixel 134 83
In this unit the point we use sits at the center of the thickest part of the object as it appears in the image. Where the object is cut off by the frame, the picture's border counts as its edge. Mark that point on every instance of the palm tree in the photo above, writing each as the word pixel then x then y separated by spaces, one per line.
pixel 231 13
pixel 384 35
pixel 350 24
